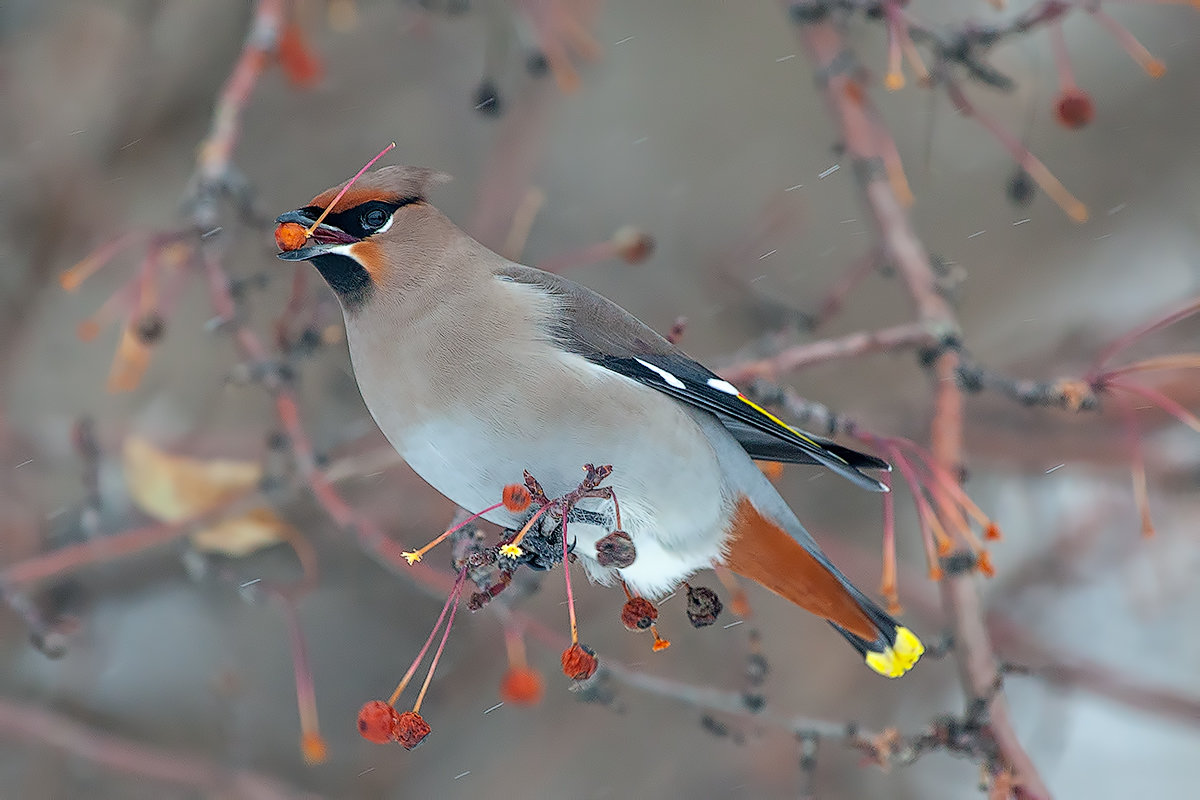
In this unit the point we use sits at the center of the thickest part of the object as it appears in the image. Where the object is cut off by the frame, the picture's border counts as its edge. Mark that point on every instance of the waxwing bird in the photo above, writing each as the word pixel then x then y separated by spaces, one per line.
pixel 477 368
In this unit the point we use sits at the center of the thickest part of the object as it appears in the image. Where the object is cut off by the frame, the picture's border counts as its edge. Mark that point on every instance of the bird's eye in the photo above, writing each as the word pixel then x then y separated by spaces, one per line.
pixel 374 218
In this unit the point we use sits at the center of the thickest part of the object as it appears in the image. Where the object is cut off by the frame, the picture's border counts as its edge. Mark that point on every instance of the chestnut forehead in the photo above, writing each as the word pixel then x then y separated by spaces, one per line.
pixel 357 195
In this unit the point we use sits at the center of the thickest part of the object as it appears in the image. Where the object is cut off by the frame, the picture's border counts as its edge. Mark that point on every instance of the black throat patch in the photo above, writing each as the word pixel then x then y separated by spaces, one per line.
pixel 348 279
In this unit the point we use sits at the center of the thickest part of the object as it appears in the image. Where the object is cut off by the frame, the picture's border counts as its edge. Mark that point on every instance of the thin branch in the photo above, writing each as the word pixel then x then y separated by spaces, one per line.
pixel 28 723
pixel 898 337
pixel 74 557
pixel 862 131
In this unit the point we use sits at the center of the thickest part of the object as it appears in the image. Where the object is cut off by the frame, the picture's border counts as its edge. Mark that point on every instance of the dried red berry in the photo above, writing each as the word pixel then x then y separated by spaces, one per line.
pixel 638 614
pixel 290 236
pixel 377 722
pixel 521 686
pixel 516 498
pixel 633 246
pixel 579 662
pixel 1074 108
pixel 703 606
pixel 616 550
pixel 411 729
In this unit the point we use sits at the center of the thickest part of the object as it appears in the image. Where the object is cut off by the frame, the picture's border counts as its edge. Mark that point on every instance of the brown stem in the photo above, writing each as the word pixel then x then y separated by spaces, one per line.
pixel 217 148
pixel 862 131
pixel 31 724
pixel 910 334
pixel 107 548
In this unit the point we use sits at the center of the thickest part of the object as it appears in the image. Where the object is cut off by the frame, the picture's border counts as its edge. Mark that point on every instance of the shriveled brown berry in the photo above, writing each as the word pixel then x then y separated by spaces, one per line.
pixel 521 686
pixel 150 328
pixel 516 498
pixel 579 662
pixel 634 246
pixel 1074 107
pixel 616 550
pixel 290 236
pixel 638 614
pixel 411 729
pixel 703 606
pixel 377 722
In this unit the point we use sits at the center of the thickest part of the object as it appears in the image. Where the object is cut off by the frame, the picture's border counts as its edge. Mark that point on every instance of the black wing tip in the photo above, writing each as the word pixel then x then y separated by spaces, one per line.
pixel 866 481
pixel 857 460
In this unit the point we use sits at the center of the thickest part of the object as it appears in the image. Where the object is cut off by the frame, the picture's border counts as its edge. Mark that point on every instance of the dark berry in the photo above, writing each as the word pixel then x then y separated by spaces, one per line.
pixel 616 550
pixel 703 606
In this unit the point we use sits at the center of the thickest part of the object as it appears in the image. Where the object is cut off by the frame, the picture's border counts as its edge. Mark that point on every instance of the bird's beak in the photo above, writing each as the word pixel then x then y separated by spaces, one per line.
pixel 325 237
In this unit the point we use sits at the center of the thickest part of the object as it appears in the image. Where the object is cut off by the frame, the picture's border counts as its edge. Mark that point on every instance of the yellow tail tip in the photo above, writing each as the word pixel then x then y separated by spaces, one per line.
pixel 900 657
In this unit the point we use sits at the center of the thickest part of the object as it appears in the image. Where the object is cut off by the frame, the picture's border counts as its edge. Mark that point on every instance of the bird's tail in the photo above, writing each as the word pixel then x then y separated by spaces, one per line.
pixel 760 549
pixel 894 649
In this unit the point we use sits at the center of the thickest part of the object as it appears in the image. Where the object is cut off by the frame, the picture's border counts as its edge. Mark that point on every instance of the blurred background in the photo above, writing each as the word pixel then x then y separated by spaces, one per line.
pixel 699 124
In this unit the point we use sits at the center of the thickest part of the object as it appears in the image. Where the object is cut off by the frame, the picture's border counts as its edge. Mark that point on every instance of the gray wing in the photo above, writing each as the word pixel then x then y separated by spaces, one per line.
pixel 594 327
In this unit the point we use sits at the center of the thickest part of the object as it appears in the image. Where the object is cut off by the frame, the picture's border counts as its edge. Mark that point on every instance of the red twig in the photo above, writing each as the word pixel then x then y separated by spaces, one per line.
pixel 862 131
pixel 1068 670
pixel 909 334
pixel 1108 353
pixel 217 149
pixel 31 724
pixel 109 548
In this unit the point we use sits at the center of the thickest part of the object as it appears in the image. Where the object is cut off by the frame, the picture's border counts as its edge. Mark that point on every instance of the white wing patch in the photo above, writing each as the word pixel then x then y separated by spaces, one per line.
pixel 670 379
pixel 723 386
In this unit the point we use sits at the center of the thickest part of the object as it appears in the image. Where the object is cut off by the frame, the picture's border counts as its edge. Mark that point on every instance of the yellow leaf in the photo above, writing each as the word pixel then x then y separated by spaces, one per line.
pixel 173 488
pixel 242 536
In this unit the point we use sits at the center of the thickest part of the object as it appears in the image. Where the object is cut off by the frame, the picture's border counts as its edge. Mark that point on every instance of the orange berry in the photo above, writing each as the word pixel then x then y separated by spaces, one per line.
pixel 638 614
pixel 521 686
pixel 516 498
pixel 984 562
pixel 1074 108
pixel 411 729
pixel 579 662
pixel 377 722
pixel 993 532
pixel 290 236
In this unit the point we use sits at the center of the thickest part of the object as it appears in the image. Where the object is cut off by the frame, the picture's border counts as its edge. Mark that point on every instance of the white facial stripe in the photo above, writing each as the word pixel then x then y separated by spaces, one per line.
pixel 662 373
pixel 723 386
pixel 383 228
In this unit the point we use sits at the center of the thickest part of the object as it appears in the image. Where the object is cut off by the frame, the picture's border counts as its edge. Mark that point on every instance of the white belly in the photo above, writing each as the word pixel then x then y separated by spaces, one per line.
pixel 665 473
